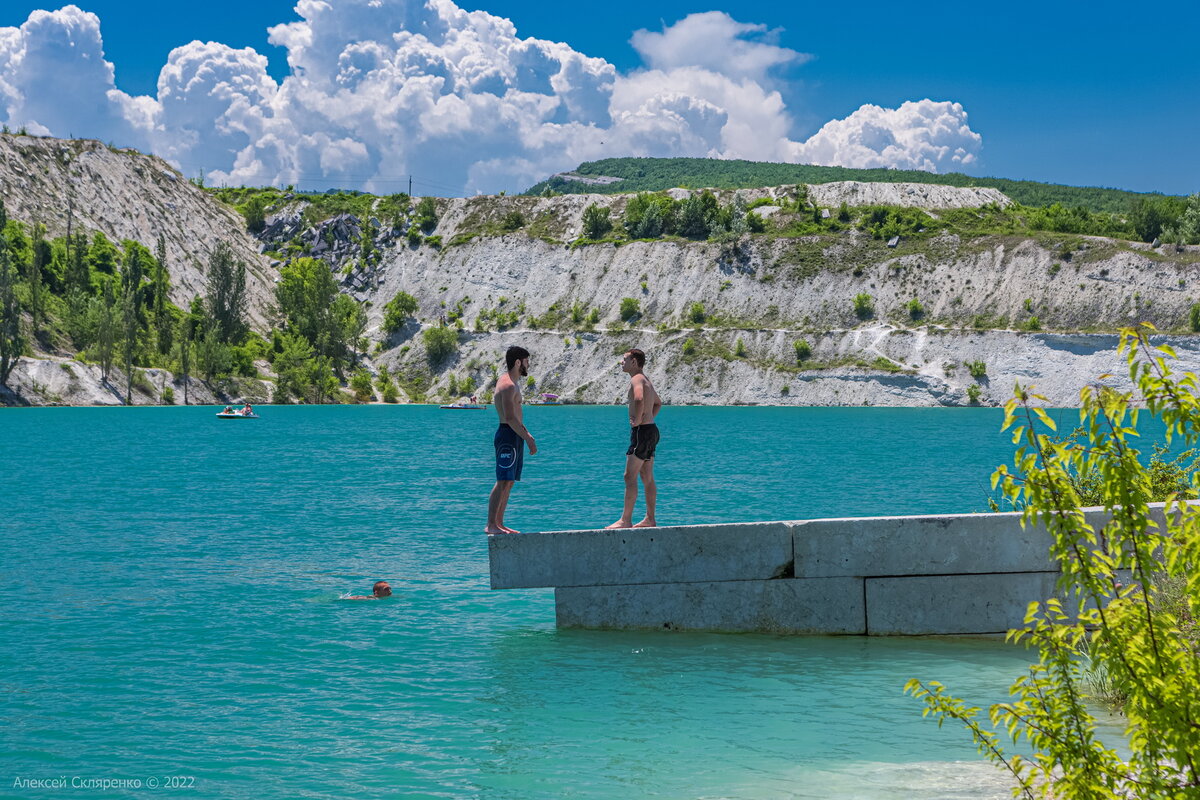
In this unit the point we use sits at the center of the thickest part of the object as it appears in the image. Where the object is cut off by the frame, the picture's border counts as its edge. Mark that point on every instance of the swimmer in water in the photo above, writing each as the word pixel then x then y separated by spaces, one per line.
pixel 380 589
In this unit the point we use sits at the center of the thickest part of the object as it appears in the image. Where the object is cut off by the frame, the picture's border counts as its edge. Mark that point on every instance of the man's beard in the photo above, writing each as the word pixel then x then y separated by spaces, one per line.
pixel 524 372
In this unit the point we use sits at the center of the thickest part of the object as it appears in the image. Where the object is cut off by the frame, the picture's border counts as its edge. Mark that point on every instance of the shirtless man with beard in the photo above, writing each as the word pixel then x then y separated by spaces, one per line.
pixel 510 438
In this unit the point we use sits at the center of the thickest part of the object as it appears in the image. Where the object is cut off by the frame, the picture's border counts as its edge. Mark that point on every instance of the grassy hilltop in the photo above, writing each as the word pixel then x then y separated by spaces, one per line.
pixel 657 174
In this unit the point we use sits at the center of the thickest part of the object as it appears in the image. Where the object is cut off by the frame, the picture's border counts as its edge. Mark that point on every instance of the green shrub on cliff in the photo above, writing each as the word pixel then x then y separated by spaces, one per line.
pixel 398 310
pixel 864 306
pixel 440 343
pixel 596 223
pixel 361 385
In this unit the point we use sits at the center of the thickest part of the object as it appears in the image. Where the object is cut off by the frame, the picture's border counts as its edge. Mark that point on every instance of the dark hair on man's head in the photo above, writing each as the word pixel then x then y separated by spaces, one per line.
pixel 514 355
pixel 638 356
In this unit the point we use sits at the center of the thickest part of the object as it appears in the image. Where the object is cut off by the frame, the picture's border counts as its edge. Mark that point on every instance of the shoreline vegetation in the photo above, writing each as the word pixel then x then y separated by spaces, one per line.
pixel 1122 629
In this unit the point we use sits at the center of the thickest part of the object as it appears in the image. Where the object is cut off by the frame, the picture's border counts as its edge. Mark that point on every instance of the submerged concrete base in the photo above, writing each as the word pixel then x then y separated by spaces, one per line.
pixel 786 605
pixel 880 576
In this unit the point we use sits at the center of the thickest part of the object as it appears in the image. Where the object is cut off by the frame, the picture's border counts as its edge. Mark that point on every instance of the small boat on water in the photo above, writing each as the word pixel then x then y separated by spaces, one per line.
pixel 245 412
pixel 464 404
pixel 548 399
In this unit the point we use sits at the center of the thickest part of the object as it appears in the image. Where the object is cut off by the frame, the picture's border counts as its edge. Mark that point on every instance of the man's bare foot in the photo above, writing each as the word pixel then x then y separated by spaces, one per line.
pixel 646 523
pixel 509 530
pixel 618 524
pixel 490 529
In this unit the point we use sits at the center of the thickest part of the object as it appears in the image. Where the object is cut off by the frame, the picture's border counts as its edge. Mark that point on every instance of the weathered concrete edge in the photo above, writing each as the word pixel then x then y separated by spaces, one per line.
pixel 677 554
pixel 936 544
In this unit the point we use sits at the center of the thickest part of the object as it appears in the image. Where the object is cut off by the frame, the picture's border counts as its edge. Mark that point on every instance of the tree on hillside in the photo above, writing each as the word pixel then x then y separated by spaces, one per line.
pixel 426 218
pixel 78 282
pixel 305 294
pixel 132 273
pixel 440 343
pixel 105 323
pixel 292 367
pixel 1186 228
pixel 163 323
pixel 1148 216
pixel 398 310
pixel 103 255
pixel 256 214
pixel 12 343
pixel 698 215
pixel 351 319
pixel 225 298
pixel 185 353
pixel 596 223
pixel 39 258
pixel 213 356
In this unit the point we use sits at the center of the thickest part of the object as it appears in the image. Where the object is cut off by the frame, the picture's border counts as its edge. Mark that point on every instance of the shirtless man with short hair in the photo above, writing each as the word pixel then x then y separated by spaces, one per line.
pixel 510 438
pixel 644 405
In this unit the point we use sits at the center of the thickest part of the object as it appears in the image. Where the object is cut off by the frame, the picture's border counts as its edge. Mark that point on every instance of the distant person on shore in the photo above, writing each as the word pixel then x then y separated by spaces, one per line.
pixel 510 438
pixel 380 589
pixel 644 405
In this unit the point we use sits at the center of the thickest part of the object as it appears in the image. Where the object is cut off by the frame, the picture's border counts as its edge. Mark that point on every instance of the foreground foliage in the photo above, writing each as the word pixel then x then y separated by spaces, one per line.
pixel 1136 579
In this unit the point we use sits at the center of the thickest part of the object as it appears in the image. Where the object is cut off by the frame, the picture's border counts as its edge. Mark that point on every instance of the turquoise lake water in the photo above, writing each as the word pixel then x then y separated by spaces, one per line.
pixel 171 607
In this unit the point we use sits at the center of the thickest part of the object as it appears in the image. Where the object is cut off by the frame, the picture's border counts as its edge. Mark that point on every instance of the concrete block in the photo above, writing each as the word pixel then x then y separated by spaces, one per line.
pixel 950 604
pixel 729 552
pixel 785 605
pixel 931 545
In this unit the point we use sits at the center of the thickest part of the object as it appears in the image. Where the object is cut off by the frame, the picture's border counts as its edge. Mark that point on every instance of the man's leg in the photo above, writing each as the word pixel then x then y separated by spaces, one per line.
pixel 504 507
pixel 633 465
pixel 651 490
pixel 497 501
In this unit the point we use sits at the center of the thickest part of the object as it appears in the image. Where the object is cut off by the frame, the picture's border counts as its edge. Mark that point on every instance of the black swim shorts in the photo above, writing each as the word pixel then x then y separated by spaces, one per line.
pixel 643 439
pixel 510 454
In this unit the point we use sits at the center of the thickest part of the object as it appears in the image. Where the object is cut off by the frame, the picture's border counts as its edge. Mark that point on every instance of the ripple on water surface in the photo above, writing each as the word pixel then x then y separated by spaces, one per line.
pixel 172 606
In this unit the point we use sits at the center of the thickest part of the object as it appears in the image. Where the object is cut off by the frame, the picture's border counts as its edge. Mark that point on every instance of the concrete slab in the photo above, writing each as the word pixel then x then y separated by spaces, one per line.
pixel 692 553
pixel 950 604
pixel 785 605
pixel 931 545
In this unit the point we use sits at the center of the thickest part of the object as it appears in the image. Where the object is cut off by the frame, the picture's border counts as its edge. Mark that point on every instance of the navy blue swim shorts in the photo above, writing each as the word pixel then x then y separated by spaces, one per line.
pixel 510 454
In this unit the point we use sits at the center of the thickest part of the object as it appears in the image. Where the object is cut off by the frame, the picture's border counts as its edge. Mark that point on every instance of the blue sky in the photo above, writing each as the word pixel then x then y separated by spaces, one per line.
pixel 1094 94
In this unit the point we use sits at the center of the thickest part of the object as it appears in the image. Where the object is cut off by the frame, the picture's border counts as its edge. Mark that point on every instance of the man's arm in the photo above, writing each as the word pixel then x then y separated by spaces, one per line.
pixel 637 400
pixel 518 424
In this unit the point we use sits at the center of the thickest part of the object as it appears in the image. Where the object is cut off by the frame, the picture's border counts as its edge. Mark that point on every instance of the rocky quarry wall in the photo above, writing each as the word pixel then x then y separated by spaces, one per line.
pixel 994 309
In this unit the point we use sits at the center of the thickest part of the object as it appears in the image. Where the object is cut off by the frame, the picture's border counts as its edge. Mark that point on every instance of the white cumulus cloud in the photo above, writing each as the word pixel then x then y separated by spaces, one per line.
pixel 380 89
pixel 716 42
pixel 927 135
